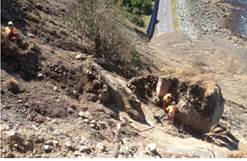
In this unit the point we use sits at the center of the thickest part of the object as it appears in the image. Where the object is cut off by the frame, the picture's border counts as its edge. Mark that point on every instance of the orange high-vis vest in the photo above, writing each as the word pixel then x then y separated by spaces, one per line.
pixel 171 109
pixel 10 32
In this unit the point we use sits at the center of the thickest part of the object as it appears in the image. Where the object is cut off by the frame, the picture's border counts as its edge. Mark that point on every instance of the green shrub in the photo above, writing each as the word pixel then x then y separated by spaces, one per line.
pixel 138 21
pixel 136 9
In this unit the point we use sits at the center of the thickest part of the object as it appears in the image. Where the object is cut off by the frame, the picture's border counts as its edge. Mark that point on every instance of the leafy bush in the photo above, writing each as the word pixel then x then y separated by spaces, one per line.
pixel 137 8
pixel 138 21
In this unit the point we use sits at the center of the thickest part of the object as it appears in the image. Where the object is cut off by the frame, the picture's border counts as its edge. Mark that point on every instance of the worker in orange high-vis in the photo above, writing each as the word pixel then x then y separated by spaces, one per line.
pixel 172 109
pixel 11 32
pixel 167 100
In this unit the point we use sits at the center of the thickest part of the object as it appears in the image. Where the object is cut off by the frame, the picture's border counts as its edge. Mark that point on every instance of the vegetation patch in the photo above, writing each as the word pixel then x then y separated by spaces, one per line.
pixel 137 11
pixel 114 50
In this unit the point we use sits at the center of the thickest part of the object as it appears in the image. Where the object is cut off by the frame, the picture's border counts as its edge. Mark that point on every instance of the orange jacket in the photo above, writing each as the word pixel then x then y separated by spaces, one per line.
pixel 10 32
pixel 171 109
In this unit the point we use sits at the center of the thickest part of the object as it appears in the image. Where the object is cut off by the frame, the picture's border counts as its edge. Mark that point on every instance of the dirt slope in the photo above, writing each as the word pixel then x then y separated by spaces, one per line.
pixel 68 102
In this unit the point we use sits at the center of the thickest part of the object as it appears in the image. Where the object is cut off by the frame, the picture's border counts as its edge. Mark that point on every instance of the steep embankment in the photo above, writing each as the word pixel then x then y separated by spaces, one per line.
pixel 213 51
pixel 61 97
pixel 53 84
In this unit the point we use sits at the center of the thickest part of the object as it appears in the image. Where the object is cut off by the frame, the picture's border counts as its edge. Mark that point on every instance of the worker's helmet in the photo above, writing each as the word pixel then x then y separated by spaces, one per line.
pixel 173 103
pixel 10 23
pixel 167 97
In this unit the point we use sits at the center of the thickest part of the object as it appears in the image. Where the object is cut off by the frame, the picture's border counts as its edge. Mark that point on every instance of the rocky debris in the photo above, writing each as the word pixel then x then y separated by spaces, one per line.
pixel 86 121
pixel 93 124
pixel 85 149
pixel 80 57
pixel 52 143
pixel 100 147
pixel 55 88
pixel 19 143
pixel 47 148
pixel 85 114
pixel 69 145
pixel 151 148
pixel 70 110
pixel 39 140
pixel 77 153
pixel 40 76
pixel 84 141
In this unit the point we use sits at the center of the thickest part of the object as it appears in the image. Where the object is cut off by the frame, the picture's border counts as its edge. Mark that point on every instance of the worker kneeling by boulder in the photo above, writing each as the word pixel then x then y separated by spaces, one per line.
pixel 200 104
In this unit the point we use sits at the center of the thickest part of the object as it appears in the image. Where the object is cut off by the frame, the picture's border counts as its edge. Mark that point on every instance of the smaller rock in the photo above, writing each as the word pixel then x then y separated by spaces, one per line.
pixel 16 145
pixel 70 110
pixel 12 133
pixel 55 88
pixel 92 125
pixel 101 147
pixel 47 148
pixel 85 149
pixel 151 148
pixel 10 155
pixel 39 140
pixel 84 141
pixel 55 142
pixel 77 153
pixel 70 146
pixel 35 127
pixel 29 34
pixel 74 92
pixel 40 75
pixel 49 142
pixel 79 56
pixel 87 121
pixel 93 122
pixel 20 101
pixel 85 114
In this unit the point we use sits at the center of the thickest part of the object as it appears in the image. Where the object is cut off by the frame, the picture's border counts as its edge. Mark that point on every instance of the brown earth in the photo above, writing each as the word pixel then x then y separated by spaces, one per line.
pixel 69 102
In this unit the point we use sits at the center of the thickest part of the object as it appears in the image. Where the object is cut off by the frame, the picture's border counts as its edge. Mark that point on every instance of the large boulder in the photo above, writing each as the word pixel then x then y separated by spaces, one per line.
pixel 120 95
pixel 200 103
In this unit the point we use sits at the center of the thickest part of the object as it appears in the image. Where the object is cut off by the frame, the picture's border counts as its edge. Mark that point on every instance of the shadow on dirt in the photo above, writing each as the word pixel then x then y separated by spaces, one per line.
pixel 14 60
pixel 15 11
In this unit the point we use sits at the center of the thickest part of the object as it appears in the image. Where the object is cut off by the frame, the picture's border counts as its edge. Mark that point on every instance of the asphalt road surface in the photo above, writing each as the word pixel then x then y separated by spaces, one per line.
pixel 164 18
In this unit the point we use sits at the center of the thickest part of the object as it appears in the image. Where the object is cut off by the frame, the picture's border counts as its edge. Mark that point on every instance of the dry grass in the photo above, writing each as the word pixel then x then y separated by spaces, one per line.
pixel 175 16
pixel 208 81
pixel 185 72
pixel 232 65
pixel 238 154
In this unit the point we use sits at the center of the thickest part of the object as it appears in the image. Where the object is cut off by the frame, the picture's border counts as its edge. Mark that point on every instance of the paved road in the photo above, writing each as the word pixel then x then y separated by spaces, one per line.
pixel 164 17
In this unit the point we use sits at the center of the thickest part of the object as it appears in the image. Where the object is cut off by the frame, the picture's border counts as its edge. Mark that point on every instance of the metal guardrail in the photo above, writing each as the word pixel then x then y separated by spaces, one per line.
pixel 153 20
